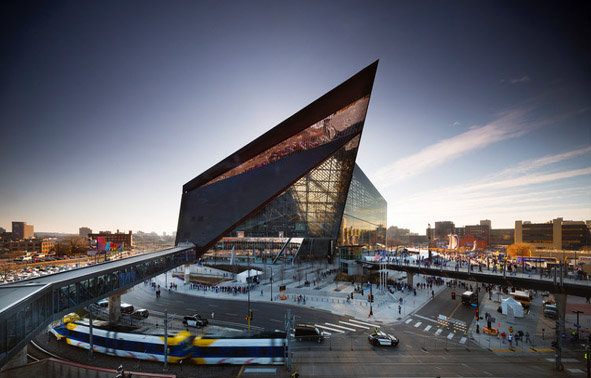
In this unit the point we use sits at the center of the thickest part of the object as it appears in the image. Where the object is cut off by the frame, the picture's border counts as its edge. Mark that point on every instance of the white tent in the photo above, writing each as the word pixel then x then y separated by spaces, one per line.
pixel 511 308
pixel 243 277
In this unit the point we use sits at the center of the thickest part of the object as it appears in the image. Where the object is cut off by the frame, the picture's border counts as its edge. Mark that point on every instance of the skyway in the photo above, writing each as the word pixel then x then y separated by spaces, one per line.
pixel 553 281
pixel 28 307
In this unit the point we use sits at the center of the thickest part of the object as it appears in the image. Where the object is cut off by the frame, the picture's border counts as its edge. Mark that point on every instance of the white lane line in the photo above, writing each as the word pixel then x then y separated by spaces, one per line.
pixel 450 336
pixel 438 332
pixel 408 321
pixel 343 327
pixel 418 324
pixel 353 325
pixel 364 323
pixel 427 328
pixel 331 329
pixel 425 318
pixel 463 340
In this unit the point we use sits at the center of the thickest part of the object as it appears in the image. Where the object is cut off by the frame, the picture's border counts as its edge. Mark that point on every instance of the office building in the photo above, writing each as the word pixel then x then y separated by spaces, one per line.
pixel 556 234
pixel 22 230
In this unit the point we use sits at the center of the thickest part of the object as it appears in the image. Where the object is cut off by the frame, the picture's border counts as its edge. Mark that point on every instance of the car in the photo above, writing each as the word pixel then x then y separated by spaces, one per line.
pixel 379 337
pixel 103 303
pixel 141 313
pixel 308 332
pixel 195 321
pixel 126 308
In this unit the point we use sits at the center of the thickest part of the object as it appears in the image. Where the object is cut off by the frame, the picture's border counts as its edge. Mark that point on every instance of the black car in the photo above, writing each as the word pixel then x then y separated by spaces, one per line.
pixel 378 338
pixel 308 332
pixel 195 321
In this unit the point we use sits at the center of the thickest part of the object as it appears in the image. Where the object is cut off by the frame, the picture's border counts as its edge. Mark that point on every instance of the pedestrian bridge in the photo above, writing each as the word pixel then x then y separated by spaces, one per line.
pixel 27 307
pixel 555 281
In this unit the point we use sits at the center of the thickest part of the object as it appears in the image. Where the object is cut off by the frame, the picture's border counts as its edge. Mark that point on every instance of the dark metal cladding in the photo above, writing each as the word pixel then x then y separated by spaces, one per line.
pixel 230 192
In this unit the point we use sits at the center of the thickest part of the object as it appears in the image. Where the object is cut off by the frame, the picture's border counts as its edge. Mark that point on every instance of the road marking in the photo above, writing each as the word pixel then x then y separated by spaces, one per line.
pixel 438 332
pixel 408 321
pixel 463 340
pixel 576 370
pixel 563 359
pixel 450 336
pixel 354 325
pixel 332 329
pixel 425 318
pixel 455 309
pixel 365 323
pixel 418 324
pixel 276 320
pixel 427 328
pixel 343 327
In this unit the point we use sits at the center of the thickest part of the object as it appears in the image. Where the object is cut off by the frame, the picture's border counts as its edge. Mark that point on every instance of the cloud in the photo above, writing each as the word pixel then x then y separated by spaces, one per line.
pixel 509 125
pixel 535 190
pixel 456 123
pixel 523 79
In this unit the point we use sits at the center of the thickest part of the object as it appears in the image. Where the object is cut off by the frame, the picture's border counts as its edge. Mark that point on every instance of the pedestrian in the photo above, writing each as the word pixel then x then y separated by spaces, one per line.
pixel 510 338
pixel 432 293
pixel 212 314
pixel 399 309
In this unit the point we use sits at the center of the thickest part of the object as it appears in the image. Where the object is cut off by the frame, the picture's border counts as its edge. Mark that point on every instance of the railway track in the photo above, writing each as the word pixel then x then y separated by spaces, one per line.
pixel 36 353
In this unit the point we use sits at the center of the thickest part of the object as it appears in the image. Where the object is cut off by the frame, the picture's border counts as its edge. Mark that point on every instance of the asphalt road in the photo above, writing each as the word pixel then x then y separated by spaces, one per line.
pixel 349 354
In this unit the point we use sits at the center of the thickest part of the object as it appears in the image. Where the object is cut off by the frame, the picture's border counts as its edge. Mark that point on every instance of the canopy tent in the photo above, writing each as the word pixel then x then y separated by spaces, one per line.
pixel 243 277
pixel 510 307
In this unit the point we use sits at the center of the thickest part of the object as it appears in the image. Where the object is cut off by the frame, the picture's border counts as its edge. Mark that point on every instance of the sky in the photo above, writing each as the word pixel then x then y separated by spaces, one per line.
pixel 480 110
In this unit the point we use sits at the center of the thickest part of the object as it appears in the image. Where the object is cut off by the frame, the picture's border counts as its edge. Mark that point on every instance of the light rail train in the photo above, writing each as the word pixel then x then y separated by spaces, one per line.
pixel 267 347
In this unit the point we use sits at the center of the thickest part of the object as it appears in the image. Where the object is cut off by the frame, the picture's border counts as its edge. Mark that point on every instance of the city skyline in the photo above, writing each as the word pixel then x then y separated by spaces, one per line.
pixel 478 111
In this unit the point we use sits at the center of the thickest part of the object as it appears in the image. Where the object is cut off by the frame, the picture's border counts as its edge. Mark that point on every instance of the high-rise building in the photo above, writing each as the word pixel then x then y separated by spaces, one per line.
pixel 83 232
pixel 22 230
pixel 443 229
pixel 294 181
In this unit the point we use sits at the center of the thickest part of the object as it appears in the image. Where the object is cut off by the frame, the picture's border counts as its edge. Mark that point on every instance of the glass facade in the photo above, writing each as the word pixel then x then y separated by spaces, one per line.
pixel 22 321
pixel 364 218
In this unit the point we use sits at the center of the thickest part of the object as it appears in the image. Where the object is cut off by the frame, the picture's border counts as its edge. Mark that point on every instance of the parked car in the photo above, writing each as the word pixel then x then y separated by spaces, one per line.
pixel 308 332
pixel 126 308
pixel 378 338
pixel 195 321
pixel 103 303
pixel 141 313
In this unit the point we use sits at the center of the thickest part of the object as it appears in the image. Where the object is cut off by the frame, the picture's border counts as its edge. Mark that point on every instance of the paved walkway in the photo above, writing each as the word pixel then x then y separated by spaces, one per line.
pixel 326 294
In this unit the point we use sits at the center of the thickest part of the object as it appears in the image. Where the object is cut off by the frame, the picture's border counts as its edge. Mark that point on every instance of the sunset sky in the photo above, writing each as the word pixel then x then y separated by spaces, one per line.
pixel 480 110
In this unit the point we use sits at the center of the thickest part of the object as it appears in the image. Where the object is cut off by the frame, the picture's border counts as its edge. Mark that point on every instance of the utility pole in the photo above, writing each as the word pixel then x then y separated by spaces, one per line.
pixel 165 339
pixel 248 292
pixel 578 325
pixel 91 347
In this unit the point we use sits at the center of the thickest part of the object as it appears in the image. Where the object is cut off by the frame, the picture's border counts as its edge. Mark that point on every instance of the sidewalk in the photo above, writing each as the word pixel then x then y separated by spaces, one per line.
pixel 540 328
pixel 326 295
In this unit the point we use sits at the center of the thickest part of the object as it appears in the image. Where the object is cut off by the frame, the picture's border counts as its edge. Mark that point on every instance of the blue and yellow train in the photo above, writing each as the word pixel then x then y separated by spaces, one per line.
pixel 267 347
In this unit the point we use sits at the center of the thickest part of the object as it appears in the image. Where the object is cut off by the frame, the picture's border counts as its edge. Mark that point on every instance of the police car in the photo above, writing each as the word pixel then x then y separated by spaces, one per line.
pixel 378 338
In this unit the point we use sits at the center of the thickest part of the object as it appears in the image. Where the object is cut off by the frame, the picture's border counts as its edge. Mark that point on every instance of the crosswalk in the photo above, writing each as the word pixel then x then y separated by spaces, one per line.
pixel 354 325
pixel 351 325
pixel 447 333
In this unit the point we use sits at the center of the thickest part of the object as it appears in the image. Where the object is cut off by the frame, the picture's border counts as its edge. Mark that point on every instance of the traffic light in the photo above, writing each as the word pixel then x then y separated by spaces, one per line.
pixel 477 316
pixel 370 297
pixel 453 295
pixel 250 314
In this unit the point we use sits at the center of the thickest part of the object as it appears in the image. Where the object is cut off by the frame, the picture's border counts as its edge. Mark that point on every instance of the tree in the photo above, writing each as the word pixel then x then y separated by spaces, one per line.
pixel 519 249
